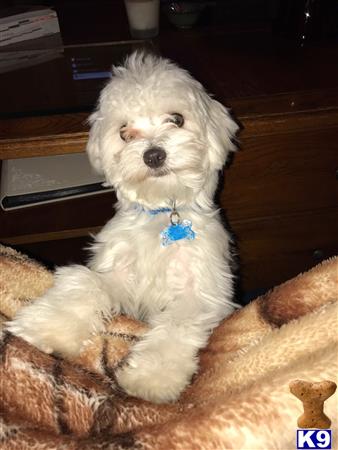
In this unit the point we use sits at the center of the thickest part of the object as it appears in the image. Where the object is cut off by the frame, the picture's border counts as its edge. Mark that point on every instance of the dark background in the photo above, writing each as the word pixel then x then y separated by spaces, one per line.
pixel 284 16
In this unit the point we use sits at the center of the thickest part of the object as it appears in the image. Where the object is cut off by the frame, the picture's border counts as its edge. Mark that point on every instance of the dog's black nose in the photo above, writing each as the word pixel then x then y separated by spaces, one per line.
pixel 154 157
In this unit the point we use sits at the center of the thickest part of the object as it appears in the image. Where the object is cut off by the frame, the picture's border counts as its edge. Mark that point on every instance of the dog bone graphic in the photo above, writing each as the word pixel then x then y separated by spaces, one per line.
pixel 313 396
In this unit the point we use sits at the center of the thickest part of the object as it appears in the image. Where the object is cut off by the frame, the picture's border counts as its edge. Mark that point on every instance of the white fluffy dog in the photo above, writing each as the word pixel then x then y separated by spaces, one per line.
pixel 164 258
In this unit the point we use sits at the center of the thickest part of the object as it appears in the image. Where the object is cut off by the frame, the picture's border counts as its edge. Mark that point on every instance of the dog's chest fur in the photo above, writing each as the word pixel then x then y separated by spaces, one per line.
pixel 155 275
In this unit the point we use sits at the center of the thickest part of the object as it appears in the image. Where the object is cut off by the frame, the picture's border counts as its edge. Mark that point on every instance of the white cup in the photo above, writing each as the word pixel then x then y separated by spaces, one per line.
pixel 143 17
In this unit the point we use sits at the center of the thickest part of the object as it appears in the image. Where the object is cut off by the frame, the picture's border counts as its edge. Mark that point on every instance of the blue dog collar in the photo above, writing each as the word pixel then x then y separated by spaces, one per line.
pixel 154 212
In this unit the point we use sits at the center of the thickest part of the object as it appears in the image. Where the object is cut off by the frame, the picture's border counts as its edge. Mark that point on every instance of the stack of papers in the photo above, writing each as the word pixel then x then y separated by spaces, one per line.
pixel 19 25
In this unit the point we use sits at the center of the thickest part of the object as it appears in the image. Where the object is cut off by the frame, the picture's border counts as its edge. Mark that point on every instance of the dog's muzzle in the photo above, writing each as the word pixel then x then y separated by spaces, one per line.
pixel 154 157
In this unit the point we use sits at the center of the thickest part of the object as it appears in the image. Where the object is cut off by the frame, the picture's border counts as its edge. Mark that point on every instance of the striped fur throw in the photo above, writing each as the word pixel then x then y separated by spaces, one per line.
pixel 240 398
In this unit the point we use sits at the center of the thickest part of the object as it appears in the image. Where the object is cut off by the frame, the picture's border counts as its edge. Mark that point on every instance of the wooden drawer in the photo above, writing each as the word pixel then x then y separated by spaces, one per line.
pixel 62 218
pixel 282 173
pixel 274 249
pixel 58 252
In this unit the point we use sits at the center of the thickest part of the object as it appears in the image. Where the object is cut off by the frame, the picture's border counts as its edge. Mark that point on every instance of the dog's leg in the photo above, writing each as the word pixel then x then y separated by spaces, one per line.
pixel 68 313
pixel 161 365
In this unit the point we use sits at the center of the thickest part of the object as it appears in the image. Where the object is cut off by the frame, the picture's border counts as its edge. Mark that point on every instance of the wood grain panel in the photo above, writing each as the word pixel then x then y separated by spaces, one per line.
pixel 43 146
pixel 282 173
pixel 274 249
pixel 68 133
pixel 42 126
pixel 50 236
pixel 44 220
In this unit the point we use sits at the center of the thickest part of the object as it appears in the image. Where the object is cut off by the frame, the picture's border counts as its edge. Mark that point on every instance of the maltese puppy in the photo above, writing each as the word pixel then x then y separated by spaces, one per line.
pixel 164 258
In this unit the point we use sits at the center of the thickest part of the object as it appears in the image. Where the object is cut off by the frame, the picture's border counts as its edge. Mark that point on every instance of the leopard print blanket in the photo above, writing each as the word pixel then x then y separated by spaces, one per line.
pixel 239 399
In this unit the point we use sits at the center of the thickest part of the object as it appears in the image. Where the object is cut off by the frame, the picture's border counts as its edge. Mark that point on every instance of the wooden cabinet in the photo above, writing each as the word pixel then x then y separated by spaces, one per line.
pixel 281 196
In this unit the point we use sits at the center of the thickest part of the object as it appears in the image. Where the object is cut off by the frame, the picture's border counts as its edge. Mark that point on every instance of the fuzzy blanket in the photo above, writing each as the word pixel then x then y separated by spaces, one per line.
pixel 240 398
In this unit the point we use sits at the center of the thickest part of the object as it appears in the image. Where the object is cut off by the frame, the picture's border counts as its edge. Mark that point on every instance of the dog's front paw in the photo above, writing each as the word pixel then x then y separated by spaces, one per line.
pixel 31 332
pixel 155 380
pixel 67 315
pixel 49 330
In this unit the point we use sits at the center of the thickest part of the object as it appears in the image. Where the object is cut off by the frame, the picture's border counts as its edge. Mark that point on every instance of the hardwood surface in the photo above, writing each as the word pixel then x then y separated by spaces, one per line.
pixel 280 191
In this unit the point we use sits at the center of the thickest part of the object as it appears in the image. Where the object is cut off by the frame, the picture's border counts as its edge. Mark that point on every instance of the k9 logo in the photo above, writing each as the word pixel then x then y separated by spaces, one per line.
pixel 316 439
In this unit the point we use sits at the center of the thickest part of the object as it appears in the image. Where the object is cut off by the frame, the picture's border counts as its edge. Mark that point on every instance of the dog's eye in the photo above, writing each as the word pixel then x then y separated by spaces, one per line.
pixel 123 132
pixel 177 119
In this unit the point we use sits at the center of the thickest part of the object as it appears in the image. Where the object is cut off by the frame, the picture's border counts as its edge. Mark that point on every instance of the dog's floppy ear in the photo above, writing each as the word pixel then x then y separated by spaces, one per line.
pixel 93 144
pixel 221 132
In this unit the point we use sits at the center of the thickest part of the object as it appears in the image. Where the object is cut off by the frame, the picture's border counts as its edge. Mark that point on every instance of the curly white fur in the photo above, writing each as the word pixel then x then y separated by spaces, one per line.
pixel 182 290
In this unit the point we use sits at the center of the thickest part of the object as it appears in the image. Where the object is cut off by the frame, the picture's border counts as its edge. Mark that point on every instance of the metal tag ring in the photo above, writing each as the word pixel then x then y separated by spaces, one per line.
pixel 175 218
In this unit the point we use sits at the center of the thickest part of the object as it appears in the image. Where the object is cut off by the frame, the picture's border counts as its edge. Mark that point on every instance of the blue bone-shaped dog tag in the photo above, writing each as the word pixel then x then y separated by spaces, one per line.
pixel 176 232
